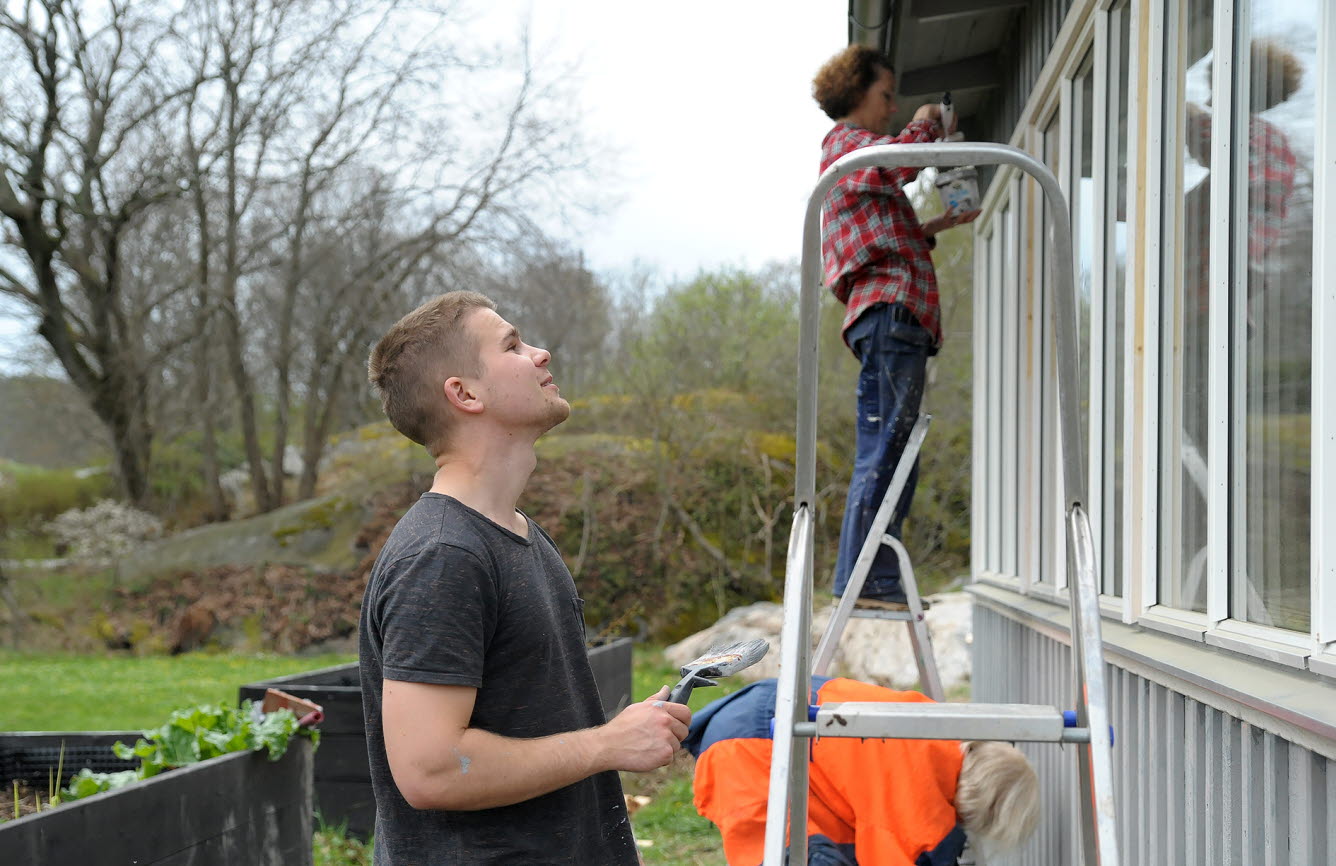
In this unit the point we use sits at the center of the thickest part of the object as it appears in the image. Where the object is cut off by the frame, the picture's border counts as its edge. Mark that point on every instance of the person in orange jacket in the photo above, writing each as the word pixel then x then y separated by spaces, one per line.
pixel 872 802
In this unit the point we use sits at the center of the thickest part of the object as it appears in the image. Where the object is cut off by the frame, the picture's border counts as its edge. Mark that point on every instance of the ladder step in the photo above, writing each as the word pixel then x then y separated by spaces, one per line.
pixel 942 721
pixel 870 613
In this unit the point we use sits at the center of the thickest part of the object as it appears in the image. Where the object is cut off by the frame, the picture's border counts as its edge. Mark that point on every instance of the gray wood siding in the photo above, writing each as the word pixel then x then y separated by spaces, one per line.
pixel 1194 785
pixel 1021 57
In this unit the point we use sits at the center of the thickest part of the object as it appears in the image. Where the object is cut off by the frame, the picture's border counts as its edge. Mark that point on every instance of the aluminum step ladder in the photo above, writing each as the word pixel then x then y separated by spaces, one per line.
pixel 919 638
pixel 1088 724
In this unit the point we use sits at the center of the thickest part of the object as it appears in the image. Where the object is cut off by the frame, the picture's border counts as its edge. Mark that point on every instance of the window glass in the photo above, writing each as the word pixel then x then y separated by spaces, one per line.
pixel 996 305
pixel 1083 227
pixel 1272 289
pixel 1051 529
pixel 1115 292
pixel 1010 415
pixel 1186 299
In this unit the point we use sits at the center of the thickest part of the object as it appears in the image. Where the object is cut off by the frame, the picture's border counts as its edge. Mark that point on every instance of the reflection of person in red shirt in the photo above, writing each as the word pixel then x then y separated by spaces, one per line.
pixel 1271 168
pixel 1275 76
pixel 871 802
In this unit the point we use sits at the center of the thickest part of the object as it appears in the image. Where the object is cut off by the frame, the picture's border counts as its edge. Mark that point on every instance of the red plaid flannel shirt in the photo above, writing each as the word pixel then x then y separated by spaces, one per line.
pixel 873 246
pixel 1271 168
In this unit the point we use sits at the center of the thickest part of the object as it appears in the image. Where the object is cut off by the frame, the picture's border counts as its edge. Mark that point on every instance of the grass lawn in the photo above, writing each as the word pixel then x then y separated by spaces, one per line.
pixel 49 692
pixel 679 836
pixel 124 693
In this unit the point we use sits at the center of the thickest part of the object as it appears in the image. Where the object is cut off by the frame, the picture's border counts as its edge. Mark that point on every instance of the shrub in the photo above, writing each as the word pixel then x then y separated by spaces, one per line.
pixel 32 495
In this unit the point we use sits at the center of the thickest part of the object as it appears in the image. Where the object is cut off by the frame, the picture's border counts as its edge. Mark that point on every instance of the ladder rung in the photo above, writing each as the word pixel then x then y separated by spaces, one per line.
pixel 898 615
pixel 944 721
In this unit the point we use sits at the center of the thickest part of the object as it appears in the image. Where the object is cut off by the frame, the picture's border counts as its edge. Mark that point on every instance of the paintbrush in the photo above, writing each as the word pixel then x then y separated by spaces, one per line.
pixel 720 661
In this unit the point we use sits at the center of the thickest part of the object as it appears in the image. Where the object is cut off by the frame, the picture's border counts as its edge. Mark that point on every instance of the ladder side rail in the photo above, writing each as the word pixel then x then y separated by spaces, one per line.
pixel 830 639
pixel 930 679
pixel 787 800
pixel 811 280
pixel 1092 706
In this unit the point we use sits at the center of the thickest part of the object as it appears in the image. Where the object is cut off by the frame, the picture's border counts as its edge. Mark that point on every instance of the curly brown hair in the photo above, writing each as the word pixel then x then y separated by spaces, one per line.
pixel 1277 71
pixel 839 85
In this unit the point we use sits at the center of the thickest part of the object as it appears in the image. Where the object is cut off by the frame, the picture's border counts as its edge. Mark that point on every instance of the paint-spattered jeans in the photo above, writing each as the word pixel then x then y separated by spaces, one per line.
pixel 890 388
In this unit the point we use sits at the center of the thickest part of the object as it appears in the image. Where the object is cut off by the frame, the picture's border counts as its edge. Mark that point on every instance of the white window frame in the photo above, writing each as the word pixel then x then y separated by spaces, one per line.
pixel 1323 419
pixel 1009 418
pixel 1108 53
pixel 1222 624
pixel 1157 437
pixel 1093 23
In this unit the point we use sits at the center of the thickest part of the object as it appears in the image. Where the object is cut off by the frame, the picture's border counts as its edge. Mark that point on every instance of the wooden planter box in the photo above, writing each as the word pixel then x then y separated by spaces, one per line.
pixel 342 772
pixel 239 808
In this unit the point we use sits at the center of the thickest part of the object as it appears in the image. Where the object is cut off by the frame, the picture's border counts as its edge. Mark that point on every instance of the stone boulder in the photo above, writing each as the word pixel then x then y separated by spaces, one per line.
pixel 872 650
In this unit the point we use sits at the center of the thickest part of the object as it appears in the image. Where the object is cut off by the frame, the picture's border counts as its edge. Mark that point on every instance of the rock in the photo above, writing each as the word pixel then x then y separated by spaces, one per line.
pixel 872 650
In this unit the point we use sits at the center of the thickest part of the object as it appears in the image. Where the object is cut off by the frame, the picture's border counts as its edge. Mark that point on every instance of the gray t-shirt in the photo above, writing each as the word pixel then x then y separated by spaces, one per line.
pixel 456 599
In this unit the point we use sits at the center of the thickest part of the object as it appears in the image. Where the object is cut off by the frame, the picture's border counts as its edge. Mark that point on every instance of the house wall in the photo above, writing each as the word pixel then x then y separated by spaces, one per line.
pixel 1217 570
pixel 1194 784
pixel 1021 55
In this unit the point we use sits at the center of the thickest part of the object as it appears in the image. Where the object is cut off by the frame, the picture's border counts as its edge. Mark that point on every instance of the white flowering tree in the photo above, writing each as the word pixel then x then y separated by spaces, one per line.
pixel 104 532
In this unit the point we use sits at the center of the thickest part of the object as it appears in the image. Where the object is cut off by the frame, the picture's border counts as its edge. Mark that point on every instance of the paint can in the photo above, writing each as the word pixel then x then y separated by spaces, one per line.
pixel 959 189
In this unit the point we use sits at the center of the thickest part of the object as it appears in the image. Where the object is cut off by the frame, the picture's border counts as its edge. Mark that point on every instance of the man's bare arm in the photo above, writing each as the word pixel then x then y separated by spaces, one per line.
pixel 439 762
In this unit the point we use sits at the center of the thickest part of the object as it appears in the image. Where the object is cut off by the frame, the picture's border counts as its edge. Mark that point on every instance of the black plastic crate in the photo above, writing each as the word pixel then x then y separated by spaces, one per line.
pixel 34 757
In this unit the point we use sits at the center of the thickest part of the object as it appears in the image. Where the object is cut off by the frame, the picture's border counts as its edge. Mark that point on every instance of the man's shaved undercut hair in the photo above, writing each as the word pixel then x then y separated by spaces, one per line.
pixel 409 365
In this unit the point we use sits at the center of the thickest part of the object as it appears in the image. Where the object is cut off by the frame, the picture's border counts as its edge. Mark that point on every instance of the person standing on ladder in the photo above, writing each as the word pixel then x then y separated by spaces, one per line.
pixel 878 262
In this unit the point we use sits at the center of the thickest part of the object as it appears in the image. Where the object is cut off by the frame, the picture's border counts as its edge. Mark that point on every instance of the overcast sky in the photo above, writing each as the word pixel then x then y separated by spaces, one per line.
pixel 709 104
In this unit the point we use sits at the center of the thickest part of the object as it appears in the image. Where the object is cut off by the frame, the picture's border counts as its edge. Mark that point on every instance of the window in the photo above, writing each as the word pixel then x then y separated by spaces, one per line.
pixel 1081 195
pixel 995 407
pixel 1194 140
pixel 1051 534
pixel 1185 361
pixel 1109 465
pixel 1009 417
pixel 1237 308
pixel 1271 287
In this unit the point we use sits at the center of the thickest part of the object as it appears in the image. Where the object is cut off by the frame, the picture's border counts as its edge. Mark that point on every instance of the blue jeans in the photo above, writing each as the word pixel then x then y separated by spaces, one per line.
pixel 894 355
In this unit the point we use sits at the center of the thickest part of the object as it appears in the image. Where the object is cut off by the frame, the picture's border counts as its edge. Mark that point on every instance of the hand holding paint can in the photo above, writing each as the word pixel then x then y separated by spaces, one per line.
pixel 958 189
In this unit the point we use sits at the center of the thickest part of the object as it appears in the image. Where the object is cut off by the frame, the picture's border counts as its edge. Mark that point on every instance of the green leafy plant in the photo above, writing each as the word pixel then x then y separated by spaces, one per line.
pixel 192 735
pixel 332 846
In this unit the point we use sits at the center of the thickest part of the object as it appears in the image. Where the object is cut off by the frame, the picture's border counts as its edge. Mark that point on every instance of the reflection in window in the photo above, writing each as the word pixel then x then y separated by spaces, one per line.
pixel 1083 223
pixel 1186 311
pixel 1115 288
pixel 1052 531
pixel 1272 289
pixel 1009 416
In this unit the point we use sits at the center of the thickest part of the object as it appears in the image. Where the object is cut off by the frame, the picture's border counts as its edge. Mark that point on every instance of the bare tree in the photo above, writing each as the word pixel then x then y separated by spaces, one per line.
pixel 352 141
pixel 196 177
pixel 83 158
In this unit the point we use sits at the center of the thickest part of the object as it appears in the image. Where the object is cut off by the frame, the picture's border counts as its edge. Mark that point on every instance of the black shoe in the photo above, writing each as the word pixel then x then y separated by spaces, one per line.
pixel 892 601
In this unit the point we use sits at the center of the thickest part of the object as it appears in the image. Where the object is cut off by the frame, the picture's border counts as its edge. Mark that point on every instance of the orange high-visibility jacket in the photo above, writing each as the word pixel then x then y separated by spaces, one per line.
pixel 871 803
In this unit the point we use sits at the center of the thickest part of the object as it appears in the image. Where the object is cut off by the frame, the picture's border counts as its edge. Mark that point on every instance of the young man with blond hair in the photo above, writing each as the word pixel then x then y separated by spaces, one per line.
pixel 485 731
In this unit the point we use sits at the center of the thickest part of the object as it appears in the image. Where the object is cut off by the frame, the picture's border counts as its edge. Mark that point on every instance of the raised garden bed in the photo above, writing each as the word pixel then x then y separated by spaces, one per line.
pixel 342 772
pixel 238 808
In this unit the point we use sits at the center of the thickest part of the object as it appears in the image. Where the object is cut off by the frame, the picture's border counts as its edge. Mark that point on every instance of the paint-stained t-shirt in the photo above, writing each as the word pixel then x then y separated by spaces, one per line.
pixel 455 599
